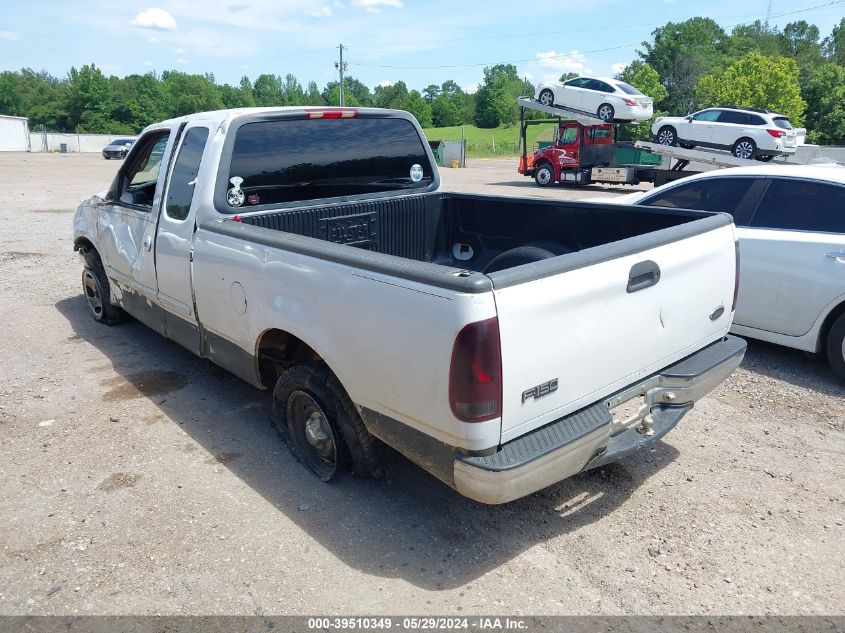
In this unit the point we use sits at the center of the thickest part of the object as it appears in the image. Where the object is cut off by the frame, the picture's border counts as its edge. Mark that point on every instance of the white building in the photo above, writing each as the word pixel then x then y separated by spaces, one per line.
pixel 14 134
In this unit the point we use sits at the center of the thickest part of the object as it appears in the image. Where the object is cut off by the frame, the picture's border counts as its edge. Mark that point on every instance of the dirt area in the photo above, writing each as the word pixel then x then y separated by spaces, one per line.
pixel 138 479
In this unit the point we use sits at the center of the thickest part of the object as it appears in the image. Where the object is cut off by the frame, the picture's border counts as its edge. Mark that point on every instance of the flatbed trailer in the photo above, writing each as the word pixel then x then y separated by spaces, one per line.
pixel 586 162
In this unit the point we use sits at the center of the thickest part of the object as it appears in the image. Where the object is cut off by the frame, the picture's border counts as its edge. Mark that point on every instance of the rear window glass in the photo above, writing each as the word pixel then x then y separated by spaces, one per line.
pixel 782 122
pixel 627 89
pixel 294 160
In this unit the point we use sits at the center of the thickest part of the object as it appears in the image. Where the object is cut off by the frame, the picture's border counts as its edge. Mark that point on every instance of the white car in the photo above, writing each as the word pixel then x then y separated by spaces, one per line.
pixel 791 226
pixel 609 99
pixel 745 132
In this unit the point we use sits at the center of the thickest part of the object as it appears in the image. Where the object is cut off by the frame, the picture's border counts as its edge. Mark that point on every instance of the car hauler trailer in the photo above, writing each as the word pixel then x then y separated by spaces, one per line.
pixel 586 150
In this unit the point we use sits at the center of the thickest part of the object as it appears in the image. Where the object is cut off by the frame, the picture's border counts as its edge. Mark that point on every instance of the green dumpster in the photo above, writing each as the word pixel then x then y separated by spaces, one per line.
pixel 437 150
pixel 627 154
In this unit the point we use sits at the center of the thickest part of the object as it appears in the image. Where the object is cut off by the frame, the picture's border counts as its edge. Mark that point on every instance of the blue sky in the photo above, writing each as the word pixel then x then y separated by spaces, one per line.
pixel 387 40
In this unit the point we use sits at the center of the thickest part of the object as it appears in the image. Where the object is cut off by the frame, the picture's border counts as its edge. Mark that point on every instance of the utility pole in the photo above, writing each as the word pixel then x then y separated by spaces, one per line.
pixel 341 66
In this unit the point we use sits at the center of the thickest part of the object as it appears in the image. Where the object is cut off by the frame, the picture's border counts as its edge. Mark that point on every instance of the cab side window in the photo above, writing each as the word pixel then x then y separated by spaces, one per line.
pixel 140 176
pixel 180 191
pixel 797 205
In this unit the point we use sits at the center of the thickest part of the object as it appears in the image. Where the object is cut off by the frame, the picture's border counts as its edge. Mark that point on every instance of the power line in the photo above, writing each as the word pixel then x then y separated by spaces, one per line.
pixel 563 55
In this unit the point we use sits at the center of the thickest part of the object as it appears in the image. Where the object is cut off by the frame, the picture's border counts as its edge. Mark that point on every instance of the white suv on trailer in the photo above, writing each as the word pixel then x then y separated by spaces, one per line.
pixel 746 132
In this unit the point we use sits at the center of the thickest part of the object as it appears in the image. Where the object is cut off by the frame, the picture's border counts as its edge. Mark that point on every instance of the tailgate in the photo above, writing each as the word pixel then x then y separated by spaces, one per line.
pixel 585 330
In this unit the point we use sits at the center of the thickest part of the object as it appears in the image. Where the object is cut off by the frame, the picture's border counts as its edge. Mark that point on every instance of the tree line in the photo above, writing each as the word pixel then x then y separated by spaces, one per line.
pixel 684 66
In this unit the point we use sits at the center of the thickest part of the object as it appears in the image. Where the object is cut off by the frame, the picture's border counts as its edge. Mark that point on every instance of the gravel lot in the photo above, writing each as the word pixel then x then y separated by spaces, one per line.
pixel 138 479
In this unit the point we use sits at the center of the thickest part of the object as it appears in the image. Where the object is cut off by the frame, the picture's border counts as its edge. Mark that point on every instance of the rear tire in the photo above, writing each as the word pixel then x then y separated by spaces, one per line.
pixel 315 415
pixel 835 345
pixel 97 292
pixel 667 136
pixel 547 97
pixel 606 112
pixel 544 175
pixel 744 148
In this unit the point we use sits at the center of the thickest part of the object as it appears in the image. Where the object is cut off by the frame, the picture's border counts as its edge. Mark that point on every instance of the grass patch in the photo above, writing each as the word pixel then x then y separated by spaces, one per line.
pixel 500 141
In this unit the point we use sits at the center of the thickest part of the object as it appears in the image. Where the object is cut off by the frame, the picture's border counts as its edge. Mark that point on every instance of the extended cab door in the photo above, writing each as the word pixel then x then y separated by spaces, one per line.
pixel 793 256
pixel 126 227
pixel 174 242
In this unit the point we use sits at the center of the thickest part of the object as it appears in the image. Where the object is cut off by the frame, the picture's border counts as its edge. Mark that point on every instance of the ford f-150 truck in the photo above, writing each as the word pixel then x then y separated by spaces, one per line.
pixel 502 344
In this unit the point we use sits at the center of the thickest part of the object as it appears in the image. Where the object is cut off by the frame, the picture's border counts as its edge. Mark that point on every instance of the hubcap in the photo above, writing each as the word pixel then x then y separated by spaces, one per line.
pixel 544 176
pixel 666 138
pixel 546 98
pixel 315 438
pixel 92 293
pixel 743 150
pixel 605 113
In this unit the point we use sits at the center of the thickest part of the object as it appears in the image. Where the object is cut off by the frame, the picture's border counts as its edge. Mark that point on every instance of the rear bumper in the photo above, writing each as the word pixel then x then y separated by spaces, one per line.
pixel 588 438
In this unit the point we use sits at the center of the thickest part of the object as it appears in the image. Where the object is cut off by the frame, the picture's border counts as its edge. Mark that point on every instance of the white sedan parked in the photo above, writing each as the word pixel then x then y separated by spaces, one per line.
pixel 791 227
pixel 608 99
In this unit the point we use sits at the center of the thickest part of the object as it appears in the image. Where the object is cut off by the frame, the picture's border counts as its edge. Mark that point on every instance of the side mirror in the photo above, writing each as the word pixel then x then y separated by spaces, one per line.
pixel 689 117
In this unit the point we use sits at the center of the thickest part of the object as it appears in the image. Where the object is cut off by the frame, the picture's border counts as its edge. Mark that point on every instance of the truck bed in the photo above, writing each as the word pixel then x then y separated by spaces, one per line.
pixel 462 232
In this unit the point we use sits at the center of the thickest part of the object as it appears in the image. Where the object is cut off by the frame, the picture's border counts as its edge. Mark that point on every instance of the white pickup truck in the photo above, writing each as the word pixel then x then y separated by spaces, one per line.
pixel 502 344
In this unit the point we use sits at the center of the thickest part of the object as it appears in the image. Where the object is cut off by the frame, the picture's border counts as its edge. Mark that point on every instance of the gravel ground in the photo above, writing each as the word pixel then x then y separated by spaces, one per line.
pixel 138 479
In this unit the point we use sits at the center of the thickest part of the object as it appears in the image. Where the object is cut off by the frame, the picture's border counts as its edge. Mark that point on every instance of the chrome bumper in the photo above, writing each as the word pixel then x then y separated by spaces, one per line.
pixel 590 438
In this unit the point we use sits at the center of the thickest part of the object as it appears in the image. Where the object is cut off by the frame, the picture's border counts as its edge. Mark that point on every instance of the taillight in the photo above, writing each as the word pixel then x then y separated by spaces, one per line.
pixel 475 375
pixel 628 101
pixel 736 275
pixel 331 114
pixel 776 133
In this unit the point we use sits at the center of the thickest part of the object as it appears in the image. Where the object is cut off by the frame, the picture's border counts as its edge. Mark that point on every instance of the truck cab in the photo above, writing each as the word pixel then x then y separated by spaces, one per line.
pixel 576 148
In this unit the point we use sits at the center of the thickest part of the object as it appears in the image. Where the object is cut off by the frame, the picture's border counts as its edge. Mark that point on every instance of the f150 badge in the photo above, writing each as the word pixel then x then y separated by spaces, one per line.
pixel 535 393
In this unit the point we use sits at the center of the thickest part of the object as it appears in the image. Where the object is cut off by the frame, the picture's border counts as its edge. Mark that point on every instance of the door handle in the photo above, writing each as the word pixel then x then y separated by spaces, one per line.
pixel 148 241
pixel 839 258
pixel 643 275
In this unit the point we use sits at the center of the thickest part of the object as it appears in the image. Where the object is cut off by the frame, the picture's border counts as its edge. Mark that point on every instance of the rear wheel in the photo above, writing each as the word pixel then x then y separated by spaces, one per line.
pixel 547 97
pixel 544 175
pixel 745 148
pixel 836 347
pixel 317 418
pixel 606 112
pixel 667 136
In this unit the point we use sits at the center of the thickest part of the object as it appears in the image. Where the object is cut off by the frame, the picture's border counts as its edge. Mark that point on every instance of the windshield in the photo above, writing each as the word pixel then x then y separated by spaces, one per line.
pixel 122 141
pixel 292 160
pixel 782 122
pixel 627 89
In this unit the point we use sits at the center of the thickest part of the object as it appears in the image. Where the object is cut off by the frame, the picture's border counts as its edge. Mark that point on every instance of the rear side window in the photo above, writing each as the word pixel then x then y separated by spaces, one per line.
pixel 180 191
pixel 732 116
pixel 599 86
pixel 801 206
pixel 706 194
pixel 292 160
pixel 580 82
pixel 782 122
pixel 756 120
pixel 627 89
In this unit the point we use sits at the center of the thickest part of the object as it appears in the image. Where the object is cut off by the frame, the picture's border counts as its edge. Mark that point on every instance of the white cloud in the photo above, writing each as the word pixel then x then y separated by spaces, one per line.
pixel 154 40
pixel 147 62
pixel 154 18
pixel 179 51
pixel 245 66
pixel 618 67
pixel 471 88
pixel 182 60
pixel 552 64
pixel 322 12
pixel 384 83
pixel 9 36
pixel 374 6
